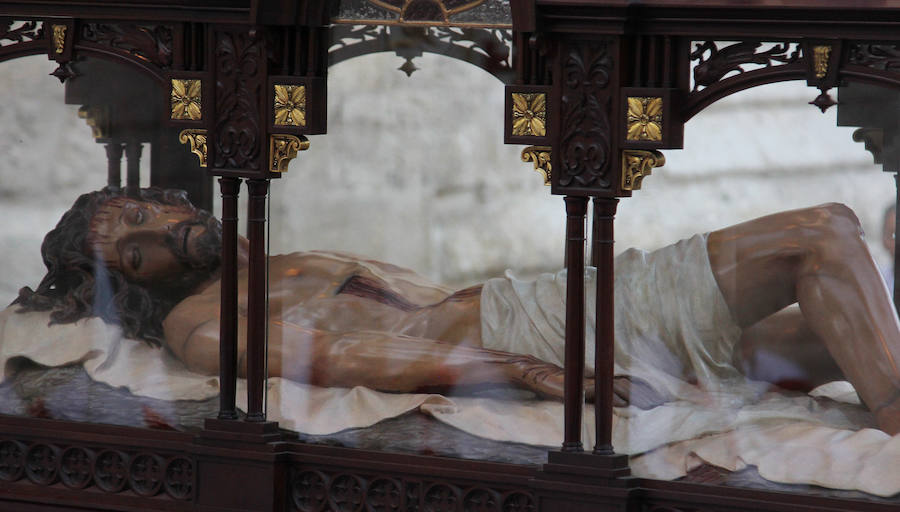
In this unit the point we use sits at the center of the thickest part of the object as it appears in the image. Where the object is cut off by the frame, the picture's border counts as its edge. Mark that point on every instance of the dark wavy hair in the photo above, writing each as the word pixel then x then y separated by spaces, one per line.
pixel 70 289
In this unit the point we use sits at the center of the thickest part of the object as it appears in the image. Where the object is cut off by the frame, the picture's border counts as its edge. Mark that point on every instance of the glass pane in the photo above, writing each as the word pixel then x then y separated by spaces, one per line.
pixel 91 274
pixel 401 214
pixel 752 335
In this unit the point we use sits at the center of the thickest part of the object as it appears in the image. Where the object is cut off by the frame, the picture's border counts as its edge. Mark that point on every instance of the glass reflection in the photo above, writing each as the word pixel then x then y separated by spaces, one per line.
pixel 764 345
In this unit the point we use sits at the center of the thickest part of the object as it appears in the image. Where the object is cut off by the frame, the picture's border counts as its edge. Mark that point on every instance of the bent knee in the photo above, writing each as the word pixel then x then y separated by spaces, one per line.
pixel 832 221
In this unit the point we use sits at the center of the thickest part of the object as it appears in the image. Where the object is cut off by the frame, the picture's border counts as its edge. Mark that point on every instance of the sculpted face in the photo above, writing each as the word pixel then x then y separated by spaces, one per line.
pixel 152 243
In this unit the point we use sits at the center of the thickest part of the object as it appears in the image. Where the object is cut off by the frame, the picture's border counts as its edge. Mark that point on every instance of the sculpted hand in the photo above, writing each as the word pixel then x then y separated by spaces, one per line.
pixel 547 380
pixel 632 390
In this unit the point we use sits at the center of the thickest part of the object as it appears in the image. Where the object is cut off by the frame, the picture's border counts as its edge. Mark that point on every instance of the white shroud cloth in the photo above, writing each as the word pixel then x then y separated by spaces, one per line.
pixel 715 417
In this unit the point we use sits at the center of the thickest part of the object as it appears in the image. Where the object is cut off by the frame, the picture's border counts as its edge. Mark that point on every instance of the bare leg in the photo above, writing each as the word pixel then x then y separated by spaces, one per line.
pixel 782 349
pixel 817 258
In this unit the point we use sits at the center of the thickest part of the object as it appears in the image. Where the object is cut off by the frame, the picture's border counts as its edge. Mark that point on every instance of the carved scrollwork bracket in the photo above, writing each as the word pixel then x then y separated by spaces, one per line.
pixel 283 149
pixel 638 164
pixel 540 156
pixel 97 117
pixel 197 141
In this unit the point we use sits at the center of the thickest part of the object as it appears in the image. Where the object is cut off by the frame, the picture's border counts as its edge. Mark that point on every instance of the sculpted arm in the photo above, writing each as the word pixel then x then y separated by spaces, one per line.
pixel 378 360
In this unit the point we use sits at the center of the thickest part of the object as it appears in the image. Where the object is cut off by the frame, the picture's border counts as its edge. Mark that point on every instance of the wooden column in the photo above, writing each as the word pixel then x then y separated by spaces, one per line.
pixel 256 299
pixel 228 325
pixel 603 259
pixel 576 207
pixel 133 152
pixel 114 165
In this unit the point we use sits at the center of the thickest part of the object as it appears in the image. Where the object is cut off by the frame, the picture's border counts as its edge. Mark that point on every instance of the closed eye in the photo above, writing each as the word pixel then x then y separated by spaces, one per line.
pixel 135 258
pixel 134 215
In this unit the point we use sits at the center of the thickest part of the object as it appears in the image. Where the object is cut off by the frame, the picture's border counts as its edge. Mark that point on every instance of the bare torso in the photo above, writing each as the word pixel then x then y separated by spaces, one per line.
pixel 338 292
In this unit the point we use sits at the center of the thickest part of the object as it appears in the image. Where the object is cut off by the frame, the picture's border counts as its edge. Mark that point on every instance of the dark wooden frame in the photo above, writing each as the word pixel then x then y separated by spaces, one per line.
pixel 589 55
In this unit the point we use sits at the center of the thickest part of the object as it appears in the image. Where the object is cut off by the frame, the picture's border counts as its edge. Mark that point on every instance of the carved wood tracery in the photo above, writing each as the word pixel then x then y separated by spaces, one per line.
pixel 585 117
pixel 152 43
pixel 78 466
pixel 489 49
pixel 315 490
pixel 240 84
pixel 19 38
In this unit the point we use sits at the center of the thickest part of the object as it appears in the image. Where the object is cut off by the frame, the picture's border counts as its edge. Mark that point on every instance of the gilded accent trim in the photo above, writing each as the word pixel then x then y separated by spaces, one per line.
pixel 187 99
pixel 59 38
pixel 197 141
pixel 638 164
pixel 97 118
pixel 290 105
pixel 821 54
pixel 529 115
pixel 644 119
pixel 540 156
pixel 283 149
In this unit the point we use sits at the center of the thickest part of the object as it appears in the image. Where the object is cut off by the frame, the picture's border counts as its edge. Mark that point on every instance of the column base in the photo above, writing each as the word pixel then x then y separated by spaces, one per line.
pixel 249 432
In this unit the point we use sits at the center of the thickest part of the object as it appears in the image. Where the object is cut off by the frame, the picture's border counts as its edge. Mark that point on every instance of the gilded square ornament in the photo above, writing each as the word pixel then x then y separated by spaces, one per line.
pixel 644 120
pixel 529 115
pixel 290 105
pixel 186 99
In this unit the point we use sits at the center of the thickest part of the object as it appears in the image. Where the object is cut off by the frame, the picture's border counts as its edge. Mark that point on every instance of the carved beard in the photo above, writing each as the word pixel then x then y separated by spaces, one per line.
pixel 201 261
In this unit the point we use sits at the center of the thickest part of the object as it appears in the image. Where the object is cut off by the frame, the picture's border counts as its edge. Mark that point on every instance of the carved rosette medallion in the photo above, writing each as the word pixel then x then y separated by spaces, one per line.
pixel 59 38
pixel 290 105
pixel 585 112
pixel 42 464
pixel 12 460
pixel 384 494
pixel 197 140
pixel 441 498
pixel 638 164
pixel 519 502
pixel 529 114
pixel 75 467
pixel 540 156
pixel 111 470
pixel 481 500
pixel 821 55
pixel 186 99
pixel 146 474
pixel 283 149
pixel 347 493
pixel 644 119
pixel 179 478
pixel 309 491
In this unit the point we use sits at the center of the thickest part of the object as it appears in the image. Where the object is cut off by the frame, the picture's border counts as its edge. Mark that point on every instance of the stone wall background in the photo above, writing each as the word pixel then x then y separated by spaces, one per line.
pixel 414 172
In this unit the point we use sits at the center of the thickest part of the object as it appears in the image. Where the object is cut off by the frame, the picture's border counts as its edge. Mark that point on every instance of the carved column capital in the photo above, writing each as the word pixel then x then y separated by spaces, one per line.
pixel 197 141
pixel 540 156
pixel 283 149
pixel 638 164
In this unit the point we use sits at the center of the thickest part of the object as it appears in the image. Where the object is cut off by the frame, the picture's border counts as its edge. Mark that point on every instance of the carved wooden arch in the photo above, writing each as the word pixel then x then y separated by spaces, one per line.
pixel 487 48
pixel 157 74
pixel 26 40
pixel 698 101
pixel 877 72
